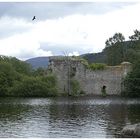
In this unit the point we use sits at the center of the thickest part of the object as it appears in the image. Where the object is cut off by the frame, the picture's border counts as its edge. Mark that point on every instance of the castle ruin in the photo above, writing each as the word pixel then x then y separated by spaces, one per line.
pixel 90 81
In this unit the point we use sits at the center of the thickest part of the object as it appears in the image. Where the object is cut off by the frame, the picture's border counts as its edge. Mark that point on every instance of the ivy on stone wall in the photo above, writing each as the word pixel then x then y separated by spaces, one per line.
pixel 75 87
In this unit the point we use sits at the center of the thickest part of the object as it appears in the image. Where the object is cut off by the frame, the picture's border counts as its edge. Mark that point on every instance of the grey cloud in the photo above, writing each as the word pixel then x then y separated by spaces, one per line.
pixel 47 10
pixel 12 30
pixel 11 26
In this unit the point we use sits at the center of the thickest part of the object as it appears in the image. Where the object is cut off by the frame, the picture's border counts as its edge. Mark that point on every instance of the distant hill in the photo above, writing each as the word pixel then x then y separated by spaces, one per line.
pixel 113 55
pixel 95 57
pixel 38 62
pixel 43 62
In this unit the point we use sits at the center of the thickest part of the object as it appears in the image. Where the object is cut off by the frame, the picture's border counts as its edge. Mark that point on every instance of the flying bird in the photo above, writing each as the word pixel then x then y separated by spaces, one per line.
pixel 34 18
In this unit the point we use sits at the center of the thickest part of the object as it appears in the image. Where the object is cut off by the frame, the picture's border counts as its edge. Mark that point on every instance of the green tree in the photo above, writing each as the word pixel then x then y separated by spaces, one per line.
pixel 117 37
pixel 40 72
pixel 114 49
pixel 7 77
pixel 75 87
pixel 136 36
pixel 132 81
pixel 33 87
pixel 17 79
pixel 18 65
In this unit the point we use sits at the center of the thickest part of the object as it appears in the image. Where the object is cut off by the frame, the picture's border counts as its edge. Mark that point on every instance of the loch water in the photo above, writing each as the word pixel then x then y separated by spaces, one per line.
pixel 67 117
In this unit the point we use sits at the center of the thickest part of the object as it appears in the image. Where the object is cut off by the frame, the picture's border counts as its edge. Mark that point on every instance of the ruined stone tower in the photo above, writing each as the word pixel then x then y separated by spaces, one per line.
pixel 90 81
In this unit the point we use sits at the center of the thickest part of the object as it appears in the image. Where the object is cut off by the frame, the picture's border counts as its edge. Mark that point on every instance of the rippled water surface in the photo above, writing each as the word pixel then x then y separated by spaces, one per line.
pixel 67 117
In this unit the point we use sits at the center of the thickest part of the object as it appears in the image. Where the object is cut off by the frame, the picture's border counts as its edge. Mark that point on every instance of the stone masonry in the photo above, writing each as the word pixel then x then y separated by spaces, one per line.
pixel 90 81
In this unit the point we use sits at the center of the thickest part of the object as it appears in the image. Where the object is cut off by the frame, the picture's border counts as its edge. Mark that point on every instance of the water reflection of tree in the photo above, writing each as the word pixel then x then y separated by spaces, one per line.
pixel 12 118
pixel 117 116
pixel 11 112
pixel 134 113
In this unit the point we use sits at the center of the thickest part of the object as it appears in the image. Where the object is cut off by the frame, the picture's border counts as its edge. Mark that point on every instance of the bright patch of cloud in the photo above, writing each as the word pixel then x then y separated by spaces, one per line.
pixel 22 46
pixel 74 54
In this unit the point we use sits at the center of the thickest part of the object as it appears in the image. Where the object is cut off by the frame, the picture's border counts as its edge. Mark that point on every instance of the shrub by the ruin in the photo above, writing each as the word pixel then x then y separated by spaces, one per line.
pixel 97 66
pixel 75 87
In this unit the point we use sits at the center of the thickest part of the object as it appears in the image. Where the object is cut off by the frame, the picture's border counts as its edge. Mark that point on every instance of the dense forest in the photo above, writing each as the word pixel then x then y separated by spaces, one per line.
pixel 17 78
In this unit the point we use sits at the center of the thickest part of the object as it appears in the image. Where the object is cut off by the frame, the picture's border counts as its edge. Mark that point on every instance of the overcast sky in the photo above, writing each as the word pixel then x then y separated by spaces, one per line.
pixel 72 27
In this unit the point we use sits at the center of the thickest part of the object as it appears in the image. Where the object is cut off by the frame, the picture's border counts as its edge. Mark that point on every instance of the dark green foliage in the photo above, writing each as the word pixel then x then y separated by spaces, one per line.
pixel 115 54
pixel 136 36
pixel 95 57
pixel 18 65
pixel 124 51
pixel 97 66
pixel 40 71
pixel 117 51
pixel 17 79
pixel 33 87
pixel 117 37
pixel 132 81
pixel 7 77
pixel 75 87
pixel 50 80
pixel 127 51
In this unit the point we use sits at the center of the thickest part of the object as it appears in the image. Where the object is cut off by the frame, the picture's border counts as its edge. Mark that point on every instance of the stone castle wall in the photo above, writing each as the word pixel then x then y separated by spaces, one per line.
pixel 90 81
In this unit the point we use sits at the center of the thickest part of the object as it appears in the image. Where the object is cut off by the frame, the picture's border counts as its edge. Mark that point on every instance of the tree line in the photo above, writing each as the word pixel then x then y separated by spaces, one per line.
pixel 17 78
pixel 119 50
